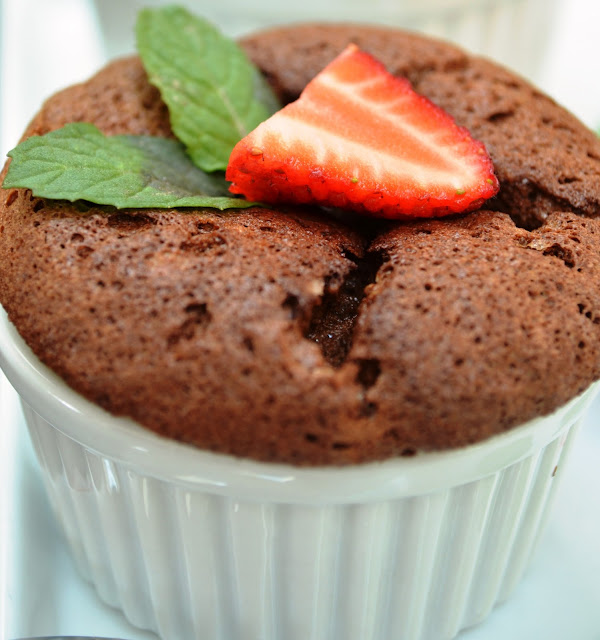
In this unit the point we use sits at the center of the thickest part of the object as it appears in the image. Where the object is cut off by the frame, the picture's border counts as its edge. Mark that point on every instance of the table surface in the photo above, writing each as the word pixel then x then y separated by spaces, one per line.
pixel 41 593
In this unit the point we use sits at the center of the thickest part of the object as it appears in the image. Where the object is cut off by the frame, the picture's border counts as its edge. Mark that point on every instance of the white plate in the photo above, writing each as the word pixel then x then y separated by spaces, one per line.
pixel 46 46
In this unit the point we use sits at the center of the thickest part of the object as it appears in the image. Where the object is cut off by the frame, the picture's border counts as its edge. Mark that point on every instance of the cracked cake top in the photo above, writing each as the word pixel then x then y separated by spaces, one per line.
pixel 287 335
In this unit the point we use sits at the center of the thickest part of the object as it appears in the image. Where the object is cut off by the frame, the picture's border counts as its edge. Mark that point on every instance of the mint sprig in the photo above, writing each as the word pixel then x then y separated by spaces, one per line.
pixel 214 94
pixel 78 162
pixel 215 97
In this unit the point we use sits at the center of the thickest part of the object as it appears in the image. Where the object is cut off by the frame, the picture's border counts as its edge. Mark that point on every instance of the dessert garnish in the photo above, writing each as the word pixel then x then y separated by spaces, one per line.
pixel 360 138
pixel 357 138
pixel 215 96
pixel 78 162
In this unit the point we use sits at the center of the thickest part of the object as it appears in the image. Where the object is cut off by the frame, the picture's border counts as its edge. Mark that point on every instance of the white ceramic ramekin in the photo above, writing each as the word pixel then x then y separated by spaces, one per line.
pixel 513 32
pixel 199 545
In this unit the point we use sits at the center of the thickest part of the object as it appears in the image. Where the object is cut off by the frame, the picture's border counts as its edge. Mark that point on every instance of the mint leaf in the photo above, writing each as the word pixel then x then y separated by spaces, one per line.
pixel 214 94
pixel 78 162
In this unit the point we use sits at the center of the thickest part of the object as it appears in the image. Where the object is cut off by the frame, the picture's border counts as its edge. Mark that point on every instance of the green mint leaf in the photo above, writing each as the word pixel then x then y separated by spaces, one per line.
pixel 214 94
pixel 78 162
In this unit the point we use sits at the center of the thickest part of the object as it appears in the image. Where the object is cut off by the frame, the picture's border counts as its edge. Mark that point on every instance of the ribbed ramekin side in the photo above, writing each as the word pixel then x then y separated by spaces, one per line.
pixel 189 563
pixel 539 497
pixel 497 522
pixel 69 485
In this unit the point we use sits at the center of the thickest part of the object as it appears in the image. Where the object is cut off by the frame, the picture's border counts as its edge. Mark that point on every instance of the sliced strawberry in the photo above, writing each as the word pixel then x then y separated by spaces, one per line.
pixel 360 138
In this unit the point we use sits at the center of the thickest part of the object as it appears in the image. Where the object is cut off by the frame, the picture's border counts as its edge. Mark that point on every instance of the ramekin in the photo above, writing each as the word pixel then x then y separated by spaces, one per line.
pixel 193 544
pixel 513 32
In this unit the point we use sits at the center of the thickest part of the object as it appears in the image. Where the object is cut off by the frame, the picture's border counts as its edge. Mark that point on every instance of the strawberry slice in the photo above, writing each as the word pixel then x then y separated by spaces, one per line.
pixel 360 138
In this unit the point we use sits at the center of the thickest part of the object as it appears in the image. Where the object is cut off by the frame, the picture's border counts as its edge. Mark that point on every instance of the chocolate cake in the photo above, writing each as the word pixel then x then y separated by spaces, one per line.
pixel 295 336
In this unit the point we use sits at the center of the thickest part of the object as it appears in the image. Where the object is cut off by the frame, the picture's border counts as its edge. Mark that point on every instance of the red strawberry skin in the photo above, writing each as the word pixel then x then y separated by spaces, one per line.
pixel 362 139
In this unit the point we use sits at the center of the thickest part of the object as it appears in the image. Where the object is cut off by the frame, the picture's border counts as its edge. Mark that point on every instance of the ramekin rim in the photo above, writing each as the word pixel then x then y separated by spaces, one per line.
pixel 123 441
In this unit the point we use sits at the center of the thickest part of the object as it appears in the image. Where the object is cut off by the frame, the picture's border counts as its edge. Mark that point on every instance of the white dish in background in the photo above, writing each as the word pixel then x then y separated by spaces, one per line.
pixel 40 591
pixel 514 32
